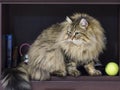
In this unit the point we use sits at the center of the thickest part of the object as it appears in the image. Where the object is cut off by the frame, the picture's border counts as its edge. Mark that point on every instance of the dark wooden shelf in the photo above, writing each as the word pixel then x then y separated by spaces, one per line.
pixel 86 78
pixel 79 85
pixel 61 1
pixel 67 83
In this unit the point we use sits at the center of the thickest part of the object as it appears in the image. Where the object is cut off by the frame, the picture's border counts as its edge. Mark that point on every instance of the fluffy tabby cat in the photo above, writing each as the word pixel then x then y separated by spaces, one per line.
pixel 58 50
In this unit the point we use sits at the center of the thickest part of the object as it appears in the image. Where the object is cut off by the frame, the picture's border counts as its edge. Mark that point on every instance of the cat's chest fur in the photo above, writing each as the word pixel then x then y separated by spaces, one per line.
pixel 82 53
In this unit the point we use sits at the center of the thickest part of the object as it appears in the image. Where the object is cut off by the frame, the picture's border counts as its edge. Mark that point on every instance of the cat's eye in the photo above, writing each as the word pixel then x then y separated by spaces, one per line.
pixel 69 32
pixel 76 33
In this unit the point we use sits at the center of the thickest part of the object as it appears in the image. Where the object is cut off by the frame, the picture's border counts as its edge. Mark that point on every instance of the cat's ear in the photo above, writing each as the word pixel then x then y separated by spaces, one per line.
pixel 69 20
pixel 83 23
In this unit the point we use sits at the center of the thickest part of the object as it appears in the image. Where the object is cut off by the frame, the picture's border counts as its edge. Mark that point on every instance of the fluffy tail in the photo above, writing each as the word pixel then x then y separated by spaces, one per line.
pixel 16 79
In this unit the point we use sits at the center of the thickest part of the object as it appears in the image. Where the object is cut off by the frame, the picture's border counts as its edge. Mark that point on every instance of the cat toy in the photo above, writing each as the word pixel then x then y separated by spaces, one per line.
pixel 112 69
pixel 23 52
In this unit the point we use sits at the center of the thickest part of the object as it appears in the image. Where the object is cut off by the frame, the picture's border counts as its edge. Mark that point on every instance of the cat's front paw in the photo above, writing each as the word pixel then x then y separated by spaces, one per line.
pixel 59 73
pixel 95 73
pixel 74 73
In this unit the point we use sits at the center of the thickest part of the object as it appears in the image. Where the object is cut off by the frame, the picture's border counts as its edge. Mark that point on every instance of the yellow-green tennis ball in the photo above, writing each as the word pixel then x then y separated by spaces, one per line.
pixel 112 69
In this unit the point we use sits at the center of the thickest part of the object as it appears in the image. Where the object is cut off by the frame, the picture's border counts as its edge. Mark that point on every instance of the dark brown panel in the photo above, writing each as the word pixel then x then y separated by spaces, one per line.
pixel 77 85
pixel 0 34
pixel 59 89
pixel 119 36
pixel 67 1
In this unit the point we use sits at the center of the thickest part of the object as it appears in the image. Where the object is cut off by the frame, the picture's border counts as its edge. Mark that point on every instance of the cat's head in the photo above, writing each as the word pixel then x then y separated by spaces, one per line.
pixel 82 29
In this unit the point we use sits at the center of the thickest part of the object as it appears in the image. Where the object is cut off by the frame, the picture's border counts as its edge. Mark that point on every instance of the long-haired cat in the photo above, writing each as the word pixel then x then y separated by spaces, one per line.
pixel 59 50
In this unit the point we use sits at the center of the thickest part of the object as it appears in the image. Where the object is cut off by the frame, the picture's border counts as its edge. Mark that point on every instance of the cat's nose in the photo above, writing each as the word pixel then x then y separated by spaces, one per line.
pixel 72 37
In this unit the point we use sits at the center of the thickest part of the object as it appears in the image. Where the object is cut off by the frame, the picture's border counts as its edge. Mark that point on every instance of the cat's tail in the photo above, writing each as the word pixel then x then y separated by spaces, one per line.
pixel 16 79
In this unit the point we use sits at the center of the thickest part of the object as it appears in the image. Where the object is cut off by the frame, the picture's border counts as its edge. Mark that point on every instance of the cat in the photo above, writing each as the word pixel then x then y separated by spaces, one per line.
pixel 59 50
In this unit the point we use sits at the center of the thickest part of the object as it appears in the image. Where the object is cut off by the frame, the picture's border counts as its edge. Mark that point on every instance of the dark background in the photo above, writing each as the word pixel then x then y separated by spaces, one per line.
pixel 26 22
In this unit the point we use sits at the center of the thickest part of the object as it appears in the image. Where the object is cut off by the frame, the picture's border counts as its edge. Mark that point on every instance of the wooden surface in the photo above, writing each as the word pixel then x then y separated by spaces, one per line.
pixel 63 1
pixel 75 85
pixel 79 85
pixel 0 35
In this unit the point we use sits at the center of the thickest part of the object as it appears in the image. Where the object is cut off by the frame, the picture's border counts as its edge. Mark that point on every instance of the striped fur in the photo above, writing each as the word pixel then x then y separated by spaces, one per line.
pixel 16 79
pixel 53 44
pixel 60 48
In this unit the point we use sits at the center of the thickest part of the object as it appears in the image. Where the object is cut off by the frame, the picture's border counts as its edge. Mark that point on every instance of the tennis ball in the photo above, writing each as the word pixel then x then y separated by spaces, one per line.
pixel 112 69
